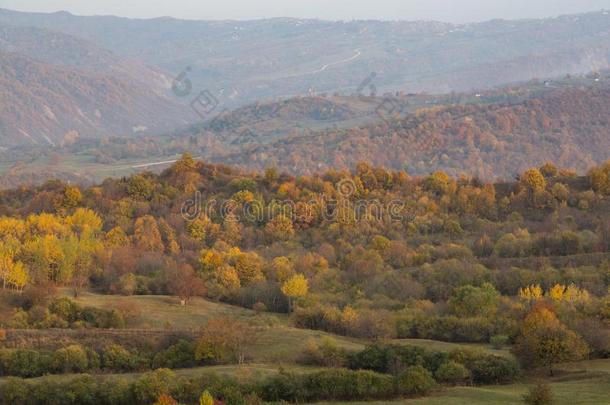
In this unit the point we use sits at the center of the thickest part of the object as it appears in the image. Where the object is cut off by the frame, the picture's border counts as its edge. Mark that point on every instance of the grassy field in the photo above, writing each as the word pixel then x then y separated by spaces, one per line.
pixel 276 341
pixel 278 345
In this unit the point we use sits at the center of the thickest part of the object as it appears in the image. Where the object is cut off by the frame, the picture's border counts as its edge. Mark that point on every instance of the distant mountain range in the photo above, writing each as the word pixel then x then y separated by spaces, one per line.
pixel 246 61
pixel 65 78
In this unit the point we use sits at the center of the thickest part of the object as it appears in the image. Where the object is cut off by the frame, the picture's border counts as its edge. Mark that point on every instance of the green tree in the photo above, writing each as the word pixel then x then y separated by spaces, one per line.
pixel 474 301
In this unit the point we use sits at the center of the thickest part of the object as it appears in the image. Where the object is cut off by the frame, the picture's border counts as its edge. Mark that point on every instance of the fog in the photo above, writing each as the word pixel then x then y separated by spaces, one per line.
pixel 457 11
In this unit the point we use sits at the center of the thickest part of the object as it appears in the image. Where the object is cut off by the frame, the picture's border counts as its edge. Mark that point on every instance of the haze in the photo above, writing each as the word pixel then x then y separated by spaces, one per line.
pixel 441 10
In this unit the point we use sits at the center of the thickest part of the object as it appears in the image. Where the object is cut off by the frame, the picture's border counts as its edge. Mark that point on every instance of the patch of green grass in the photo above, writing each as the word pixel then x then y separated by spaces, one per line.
pixel 275 342
pixel 590 392
pixel 158 312
pixel 448 346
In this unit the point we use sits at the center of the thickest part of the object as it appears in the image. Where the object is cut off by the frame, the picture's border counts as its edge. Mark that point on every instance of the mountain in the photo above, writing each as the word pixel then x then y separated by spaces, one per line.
pixel 56 48
pixel 245 61
pixel 55 88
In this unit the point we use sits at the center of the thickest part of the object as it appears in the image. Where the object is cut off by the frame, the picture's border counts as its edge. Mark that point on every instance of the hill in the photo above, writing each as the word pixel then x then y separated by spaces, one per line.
pixel 57 88
pixel 568 125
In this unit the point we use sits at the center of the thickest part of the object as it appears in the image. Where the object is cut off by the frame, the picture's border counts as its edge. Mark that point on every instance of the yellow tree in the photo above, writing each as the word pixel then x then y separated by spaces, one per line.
pixel 18 277
pixel 531 293
pixel 116 238
pixel 533 182
pixel 279 228
pixel 85 222
pixel 294 288
pixel 44 256
pixel 545 341
pixel 206 398
pixel 557 292
pixel 147 235
pixel 8 249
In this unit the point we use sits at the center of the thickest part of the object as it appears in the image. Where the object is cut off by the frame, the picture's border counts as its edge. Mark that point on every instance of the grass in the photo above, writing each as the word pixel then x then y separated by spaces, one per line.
pixel 275 343
pixel 448 346
pixel 159 312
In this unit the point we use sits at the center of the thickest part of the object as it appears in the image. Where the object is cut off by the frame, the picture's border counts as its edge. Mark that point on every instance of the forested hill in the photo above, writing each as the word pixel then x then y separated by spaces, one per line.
pixel 568 125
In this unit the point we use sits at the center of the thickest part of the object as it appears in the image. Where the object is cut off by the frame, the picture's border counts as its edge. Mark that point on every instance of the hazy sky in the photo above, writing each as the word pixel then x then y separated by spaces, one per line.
pixel 443 10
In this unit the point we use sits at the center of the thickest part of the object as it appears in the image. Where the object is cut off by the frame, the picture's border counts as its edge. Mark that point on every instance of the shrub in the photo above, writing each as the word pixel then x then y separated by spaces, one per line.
pixel 494 370
pixel 498 341
pixel 152 385
pixel 28 363
pixel 15 391
pixel 326 354
pixel 416 381
pixel 452 373
pixel 180 355
pixel 395 359
pixel 539 394
pixel 116 357
pixel 348 385
pixel 328 385
pixel 71 359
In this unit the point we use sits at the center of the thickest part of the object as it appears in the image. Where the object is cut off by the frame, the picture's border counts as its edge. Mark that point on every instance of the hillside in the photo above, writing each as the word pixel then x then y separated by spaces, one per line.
pixel 568 125
pixel 56 88
pixel 43 104
pixel 302 288
pixel 305 56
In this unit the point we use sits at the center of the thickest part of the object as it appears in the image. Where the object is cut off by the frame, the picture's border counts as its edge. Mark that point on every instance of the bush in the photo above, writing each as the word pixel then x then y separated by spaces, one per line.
pixel 71 359
pixel 325 354
pixel 494 370
pixel 348 385
pixel 498 341
pixel 152 385
pixel 452 373
pixel 27 363
pixel 395 359
pixel 15 391
pixel 416 381
pixel 328 385
pixel 180 355
pixel 539 394
pixel 116 357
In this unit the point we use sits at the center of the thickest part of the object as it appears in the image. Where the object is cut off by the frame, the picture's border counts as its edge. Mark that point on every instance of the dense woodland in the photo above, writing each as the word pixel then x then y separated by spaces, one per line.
pixel 567 126
pixel 371 254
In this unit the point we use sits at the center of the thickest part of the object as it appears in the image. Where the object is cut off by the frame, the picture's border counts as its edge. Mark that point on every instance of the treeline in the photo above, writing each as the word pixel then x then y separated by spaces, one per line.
pixel 377 372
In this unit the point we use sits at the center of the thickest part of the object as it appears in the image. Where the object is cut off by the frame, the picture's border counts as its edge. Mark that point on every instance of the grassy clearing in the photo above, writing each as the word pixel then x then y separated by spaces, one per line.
pixel 448 346
pixel 159 312
pixel 276 342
